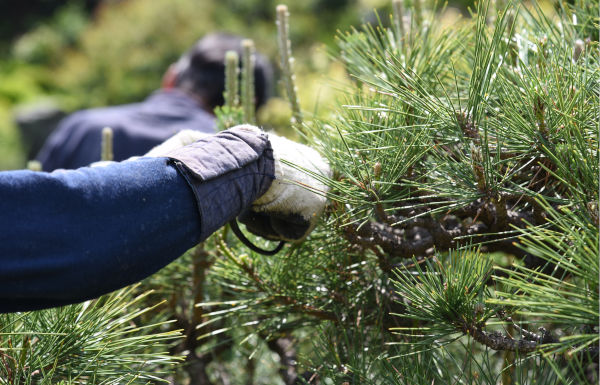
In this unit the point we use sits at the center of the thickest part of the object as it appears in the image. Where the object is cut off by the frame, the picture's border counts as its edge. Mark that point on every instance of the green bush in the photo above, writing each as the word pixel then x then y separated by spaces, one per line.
pixel 125 52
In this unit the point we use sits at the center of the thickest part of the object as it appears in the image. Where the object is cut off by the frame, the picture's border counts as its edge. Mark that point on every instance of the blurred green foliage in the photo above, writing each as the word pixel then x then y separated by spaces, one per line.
pixel 18 17
pixel 124 53
pixel 81 54
pixel 118 52
pixel 43 45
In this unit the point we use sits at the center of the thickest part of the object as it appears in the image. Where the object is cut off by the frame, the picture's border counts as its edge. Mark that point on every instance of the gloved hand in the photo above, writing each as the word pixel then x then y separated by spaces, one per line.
pixel 290 208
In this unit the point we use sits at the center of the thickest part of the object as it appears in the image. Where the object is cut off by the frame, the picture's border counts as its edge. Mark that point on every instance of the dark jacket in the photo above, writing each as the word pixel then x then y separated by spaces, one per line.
pixel 137 128
pixel 72 235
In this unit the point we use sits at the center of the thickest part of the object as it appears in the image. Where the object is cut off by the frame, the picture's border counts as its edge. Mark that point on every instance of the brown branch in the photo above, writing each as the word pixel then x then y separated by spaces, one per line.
pixel 501 212
pixel 392 242
pixel 250 371
pixel 538 111
pixel 195 365
pixel 498 341
pixel 502 342
pixel 544 337
pixel 200 263
pixel 467 126
pixel 538 212
pixel 196 370
pixel 418 236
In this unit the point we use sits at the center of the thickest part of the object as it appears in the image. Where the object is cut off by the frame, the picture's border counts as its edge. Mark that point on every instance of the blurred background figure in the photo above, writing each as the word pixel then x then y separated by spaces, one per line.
pixel 36 122
pixel 192 87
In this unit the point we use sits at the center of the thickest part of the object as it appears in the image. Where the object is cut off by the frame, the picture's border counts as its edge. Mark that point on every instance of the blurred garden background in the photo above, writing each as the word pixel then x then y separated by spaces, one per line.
pixel 60 56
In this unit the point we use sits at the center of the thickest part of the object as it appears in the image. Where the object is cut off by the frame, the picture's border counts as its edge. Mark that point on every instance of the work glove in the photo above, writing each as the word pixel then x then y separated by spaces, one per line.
pixel 290 208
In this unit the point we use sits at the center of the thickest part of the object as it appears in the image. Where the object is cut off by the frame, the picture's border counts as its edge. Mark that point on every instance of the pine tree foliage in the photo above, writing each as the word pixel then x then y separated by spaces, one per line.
pixel 568 298
pixel 96 342
pixel 461 242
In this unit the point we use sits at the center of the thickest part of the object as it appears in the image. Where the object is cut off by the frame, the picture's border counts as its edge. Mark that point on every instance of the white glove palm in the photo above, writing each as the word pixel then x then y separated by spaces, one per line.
pixel 291 206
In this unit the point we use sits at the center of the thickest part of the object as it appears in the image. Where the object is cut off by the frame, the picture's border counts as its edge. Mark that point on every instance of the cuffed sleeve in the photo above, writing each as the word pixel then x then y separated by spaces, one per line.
pixel 227 172
pixel 69 236
pixel 73 235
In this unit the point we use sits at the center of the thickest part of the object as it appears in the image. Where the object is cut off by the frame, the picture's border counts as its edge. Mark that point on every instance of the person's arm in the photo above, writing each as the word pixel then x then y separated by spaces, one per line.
pixel 69 236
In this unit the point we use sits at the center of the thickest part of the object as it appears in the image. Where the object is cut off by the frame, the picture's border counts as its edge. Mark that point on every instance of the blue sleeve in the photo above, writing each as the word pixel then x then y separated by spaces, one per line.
pixel 73 235
pixel 69 236
pixel 227 172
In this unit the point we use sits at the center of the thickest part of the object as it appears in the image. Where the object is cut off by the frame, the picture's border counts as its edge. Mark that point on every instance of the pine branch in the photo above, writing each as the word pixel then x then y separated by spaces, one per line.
pixel 530 343
pixel 544 337
pixel 418 236
pixel 278 297
pixel 499 341
pixel 100 338
pixel 196 365
pixel 447 139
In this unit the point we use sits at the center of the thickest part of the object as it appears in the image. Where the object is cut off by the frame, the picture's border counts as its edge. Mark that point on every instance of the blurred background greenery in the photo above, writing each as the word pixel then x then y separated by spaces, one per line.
pixel 60 56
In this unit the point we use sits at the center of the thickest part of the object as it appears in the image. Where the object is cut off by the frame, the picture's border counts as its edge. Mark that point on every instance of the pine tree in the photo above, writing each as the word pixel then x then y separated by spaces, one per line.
pixel 460 244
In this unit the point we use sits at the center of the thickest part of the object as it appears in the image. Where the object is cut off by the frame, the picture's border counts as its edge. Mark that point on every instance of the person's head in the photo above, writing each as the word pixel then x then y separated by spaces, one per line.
pixel 201 70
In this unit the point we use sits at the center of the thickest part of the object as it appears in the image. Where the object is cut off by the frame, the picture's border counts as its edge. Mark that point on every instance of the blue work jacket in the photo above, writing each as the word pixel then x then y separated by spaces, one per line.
pixel 137 128
pixel 73 235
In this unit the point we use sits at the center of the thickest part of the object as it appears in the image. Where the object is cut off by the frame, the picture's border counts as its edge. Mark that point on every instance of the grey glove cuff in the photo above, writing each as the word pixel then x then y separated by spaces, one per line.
pixel 227 172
